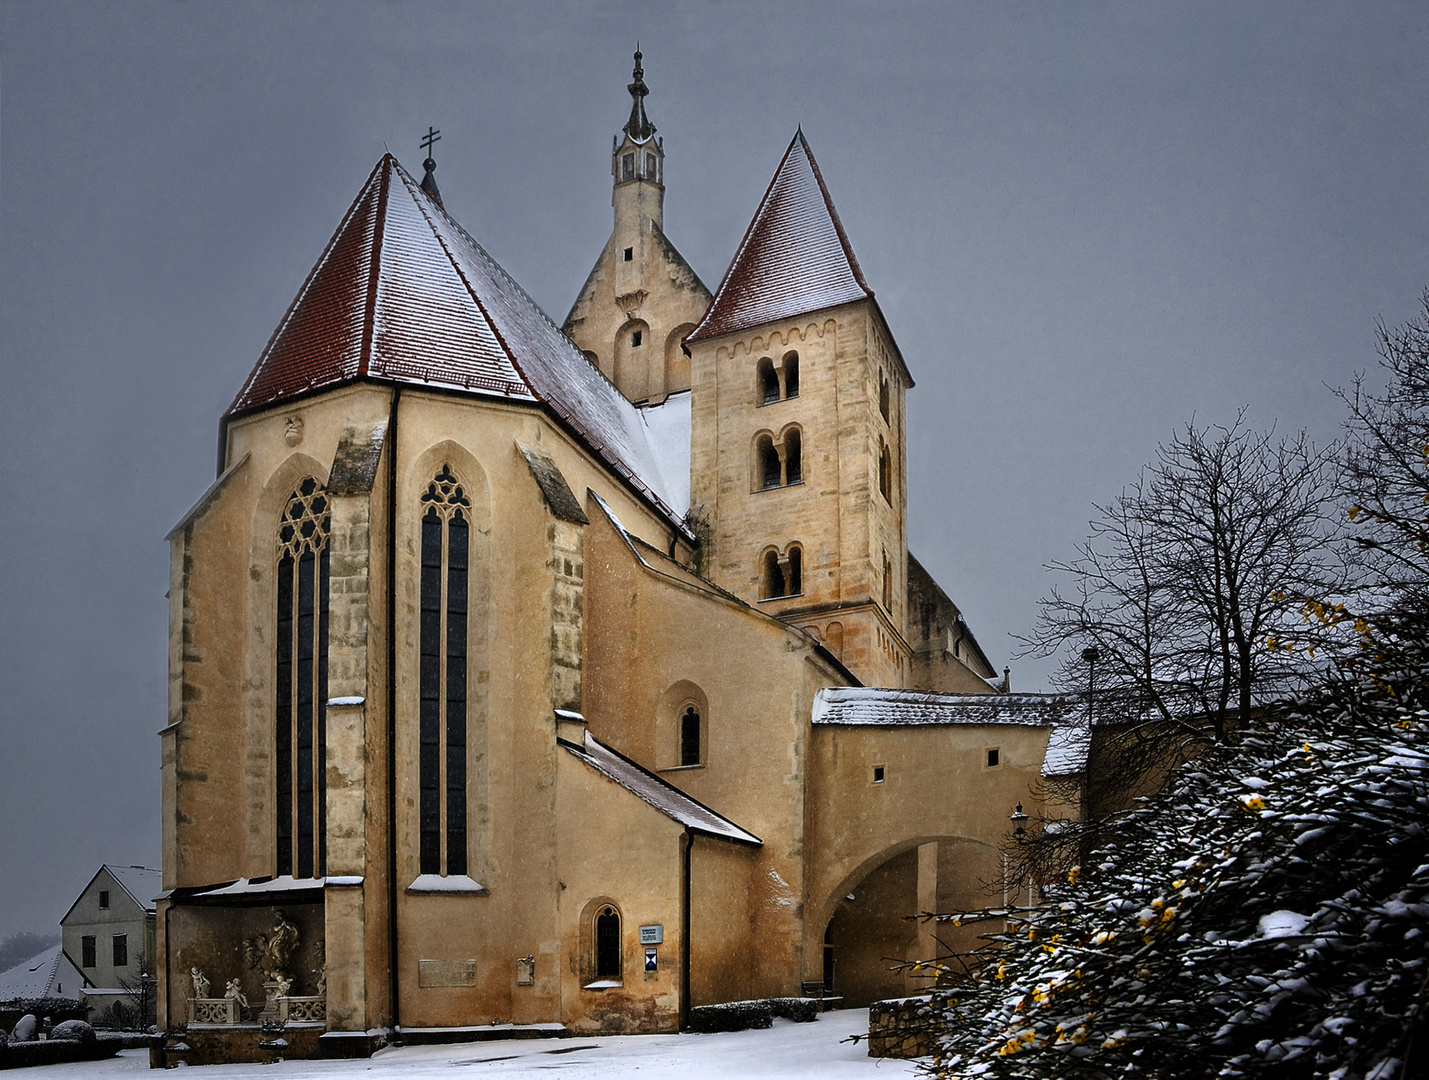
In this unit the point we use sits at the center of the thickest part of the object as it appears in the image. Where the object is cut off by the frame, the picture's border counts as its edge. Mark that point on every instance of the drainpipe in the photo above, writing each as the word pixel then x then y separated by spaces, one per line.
pixel 687 843
pixel 392 981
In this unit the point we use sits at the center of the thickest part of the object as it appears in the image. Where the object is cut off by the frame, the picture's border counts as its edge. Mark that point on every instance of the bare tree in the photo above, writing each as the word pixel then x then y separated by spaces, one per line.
pixel 1185 609
pixel 1386 477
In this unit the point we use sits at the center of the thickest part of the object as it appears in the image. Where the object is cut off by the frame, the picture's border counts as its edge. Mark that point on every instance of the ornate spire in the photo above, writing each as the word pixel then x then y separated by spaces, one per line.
pixel 638 127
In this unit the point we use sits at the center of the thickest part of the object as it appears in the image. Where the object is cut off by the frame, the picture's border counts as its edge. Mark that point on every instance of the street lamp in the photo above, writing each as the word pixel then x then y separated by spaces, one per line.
pixel 1019 832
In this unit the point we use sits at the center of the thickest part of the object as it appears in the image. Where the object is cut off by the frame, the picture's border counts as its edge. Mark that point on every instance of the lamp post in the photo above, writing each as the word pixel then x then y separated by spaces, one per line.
pixel 1091 654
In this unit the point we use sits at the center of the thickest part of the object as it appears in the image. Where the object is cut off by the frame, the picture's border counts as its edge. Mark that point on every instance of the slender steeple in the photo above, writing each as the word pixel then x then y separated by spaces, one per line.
pixel 638 127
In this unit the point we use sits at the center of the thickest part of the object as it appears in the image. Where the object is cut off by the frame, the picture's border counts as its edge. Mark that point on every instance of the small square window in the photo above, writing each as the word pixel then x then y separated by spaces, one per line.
pixel 992 758
pixel 104 898
pixel 629 254
pixel 878 774
pixel 635 340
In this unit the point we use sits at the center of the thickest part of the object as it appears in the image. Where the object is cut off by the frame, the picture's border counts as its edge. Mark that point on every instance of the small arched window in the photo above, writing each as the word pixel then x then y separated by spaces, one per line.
pixel 690 736
pixel 768 382
pixel 887 584
pixel 791 375
pixel 771 584
pixel 796 570
pixel 885 472
pixel 607 944
pixel 768 456
pixel 883 396
pixel 627 167
pixel 793 457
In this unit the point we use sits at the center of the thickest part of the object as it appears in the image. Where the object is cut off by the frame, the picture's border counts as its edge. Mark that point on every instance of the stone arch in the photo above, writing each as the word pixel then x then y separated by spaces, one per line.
pixel 676 698
pixel 766 382
pixel 677 361
pixel 411 485
pixel 632 350
pixel 771 574
pixel 863 918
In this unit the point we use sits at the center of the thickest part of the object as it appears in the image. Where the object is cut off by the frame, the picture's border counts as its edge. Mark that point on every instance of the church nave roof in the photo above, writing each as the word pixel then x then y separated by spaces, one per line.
pixel 404 294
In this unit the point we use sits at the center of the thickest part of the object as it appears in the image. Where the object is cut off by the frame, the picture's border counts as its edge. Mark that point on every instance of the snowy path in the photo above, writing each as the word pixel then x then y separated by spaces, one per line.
pixel 784 1052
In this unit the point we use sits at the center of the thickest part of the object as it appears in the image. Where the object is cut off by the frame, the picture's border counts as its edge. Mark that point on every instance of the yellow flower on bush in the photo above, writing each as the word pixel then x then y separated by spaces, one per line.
pixel 1253 803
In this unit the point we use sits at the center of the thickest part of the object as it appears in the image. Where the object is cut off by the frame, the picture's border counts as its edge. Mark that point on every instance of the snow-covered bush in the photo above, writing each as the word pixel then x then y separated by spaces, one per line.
pixel 1266 915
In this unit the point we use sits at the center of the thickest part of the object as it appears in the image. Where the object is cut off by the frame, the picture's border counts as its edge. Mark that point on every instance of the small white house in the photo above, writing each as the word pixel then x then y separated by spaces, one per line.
pixel 108 935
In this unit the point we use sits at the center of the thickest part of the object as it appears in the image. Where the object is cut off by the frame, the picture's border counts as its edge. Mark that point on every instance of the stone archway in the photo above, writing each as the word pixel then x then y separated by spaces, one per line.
pixel 868 934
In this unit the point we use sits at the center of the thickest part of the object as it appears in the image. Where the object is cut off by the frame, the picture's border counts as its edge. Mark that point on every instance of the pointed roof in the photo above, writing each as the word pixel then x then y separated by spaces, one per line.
pixel 638 127
pixel 794 258
pixel 403 294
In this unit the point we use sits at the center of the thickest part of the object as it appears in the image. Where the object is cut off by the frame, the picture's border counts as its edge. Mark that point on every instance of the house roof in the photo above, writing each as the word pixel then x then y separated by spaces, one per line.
pixel 664 797
pixel 32 978
pixel 140 882
pixel 403 294
pixel 795 257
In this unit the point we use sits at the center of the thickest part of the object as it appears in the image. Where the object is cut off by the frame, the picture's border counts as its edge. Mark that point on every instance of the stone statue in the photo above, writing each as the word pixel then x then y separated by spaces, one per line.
pixel 253 950
pixel 200 982
pixel 284 985
pixel 281 943
pixel 235 992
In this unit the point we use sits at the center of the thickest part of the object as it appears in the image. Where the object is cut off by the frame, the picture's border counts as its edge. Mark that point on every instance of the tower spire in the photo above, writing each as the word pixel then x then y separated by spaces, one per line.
pixel 638 127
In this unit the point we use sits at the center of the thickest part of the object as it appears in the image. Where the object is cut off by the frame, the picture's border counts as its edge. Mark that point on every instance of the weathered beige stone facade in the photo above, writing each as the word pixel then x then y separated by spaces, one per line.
pixel 497 699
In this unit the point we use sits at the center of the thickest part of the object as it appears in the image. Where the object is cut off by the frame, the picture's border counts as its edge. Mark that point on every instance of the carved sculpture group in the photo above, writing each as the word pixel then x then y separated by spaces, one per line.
pixel 268 954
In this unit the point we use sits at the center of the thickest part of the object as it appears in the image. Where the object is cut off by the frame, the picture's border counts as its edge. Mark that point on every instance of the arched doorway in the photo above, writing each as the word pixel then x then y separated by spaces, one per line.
pixel 870 939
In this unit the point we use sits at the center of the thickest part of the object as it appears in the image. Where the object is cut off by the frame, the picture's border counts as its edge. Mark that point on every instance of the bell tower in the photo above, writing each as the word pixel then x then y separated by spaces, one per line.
pixel 797 432
pixel 641 298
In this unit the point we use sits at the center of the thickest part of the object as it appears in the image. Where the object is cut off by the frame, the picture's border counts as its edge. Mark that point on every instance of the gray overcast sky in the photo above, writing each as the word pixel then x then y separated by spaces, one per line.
pixel 1085 222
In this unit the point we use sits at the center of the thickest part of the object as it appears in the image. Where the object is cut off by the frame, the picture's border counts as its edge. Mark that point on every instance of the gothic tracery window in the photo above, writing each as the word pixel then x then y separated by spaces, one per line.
pixel 441 721
pixel 300 736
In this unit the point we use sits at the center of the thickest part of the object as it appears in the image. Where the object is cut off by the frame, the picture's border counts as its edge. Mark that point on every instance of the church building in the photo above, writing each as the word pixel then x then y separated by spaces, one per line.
pixel 568 678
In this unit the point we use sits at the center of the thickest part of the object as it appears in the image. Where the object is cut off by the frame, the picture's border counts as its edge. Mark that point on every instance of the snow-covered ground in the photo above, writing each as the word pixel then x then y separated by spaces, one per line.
pixel 784 1052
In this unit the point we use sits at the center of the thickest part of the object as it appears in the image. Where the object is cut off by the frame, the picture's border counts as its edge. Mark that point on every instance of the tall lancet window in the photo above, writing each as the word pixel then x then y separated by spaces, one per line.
pixel 301 698
pixel 446 535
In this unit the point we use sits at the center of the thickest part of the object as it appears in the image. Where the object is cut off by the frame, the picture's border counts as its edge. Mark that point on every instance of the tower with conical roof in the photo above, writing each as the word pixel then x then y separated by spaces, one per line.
pixel 797 444
pixel 641 298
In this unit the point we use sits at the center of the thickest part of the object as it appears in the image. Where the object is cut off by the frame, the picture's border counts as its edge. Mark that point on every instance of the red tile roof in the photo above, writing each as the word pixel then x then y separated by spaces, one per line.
pixel 795 257
pixel 404 294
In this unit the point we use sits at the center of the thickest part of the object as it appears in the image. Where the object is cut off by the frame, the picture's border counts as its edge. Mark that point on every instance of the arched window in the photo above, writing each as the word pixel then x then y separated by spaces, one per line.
pixel 607 944
pixel 887 584
pixel 767 458
pixel 791 375
pixel 883 396
pixel 441 721
pixel 885 472
pixel 793 457
pixel 690 736
pixel 300 741
pixel 796 570
pixel 771 584
pixel 768 382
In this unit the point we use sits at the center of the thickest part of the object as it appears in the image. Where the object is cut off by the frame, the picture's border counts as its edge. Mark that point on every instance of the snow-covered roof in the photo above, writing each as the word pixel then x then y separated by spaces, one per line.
pixel 795 257
pixel 404 294
pixel 140 882
pixel 35 977
pixel 668 799
pixel 667 426
pixel 1067 743
pixel 1067 746
pixel 857 705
